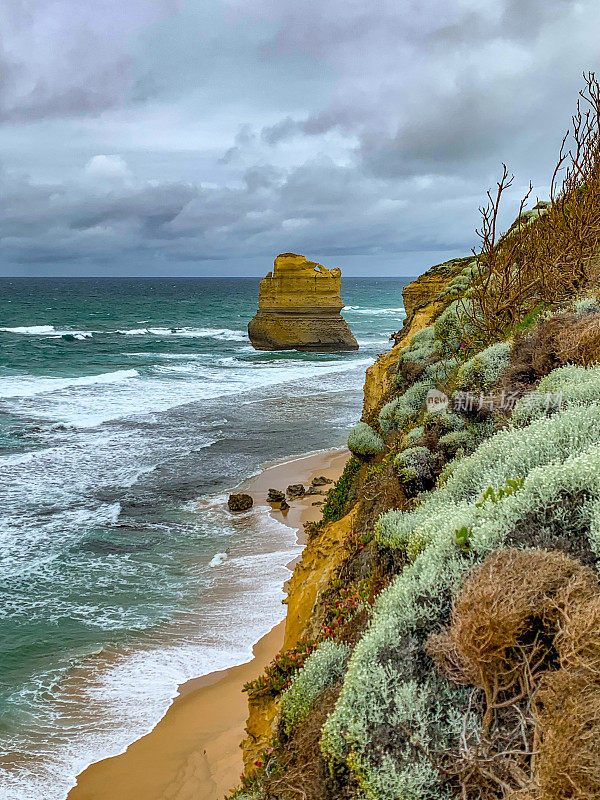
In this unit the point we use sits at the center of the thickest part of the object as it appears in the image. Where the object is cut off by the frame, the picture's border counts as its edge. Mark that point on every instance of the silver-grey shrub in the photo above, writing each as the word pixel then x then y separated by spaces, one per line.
pixel 364 441
pixel 397 413
pixel 389 689
pixel 586 305
pixel 421 348
pixel 468 439
pixel 414 436
pixel 440 370
pixel 564 387
pixel 458 285
pixel 325 665
pixel 446 420
pixel 415 464
pixel 481 371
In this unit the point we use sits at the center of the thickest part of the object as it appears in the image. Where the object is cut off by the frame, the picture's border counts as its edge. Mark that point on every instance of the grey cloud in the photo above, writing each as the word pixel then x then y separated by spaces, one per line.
pixel 282 130
pixel 76 220
pixel 342 118
pixel 69 58
pixel 462 93
pixel 336 129
pixel 151 207
pixel 261 176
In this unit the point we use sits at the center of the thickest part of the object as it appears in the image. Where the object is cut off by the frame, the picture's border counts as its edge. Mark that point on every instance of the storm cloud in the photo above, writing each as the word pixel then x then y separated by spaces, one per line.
pixel 184 137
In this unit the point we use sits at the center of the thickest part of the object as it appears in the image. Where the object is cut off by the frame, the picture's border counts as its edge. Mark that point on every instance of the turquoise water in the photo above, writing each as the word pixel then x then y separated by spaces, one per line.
pixel 127 409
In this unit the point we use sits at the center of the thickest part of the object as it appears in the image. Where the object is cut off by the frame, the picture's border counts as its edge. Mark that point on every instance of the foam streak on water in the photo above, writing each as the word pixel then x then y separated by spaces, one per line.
pixel 127 410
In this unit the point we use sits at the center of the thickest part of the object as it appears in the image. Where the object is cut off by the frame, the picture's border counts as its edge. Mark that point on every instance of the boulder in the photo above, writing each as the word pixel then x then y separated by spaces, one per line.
pixel 299 308
pixel 295 490
pixel 320 480
pixel 240 502
pixel 284 505
pixel 275 496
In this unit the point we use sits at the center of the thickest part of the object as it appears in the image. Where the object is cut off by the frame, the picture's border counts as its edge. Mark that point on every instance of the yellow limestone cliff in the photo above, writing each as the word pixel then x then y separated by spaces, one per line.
pixel 299 308
pixel 423 298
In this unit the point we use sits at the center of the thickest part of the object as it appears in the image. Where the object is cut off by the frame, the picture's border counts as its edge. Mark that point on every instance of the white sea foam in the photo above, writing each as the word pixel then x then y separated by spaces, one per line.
pixel 217 559
pixel 373 342
pixel 96 704
pixel 47 330
pixel 93 403
pixel 32 385
pixel 33 330
pixel 171 356
pixel 376 312
pixel 220 334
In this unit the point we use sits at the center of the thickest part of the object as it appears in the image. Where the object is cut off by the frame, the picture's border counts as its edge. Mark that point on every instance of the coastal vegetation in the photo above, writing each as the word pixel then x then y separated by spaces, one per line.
pixel 455 645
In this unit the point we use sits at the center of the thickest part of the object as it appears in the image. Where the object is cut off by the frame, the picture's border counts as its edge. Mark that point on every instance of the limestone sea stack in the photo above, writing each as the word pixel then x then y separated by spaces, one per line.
pixel 299 308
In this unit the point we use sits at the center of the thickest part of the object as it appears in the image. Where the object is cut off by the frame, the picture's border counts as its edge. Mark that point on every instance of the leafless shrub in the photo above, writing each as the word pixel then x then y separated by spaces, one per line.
pixel 525 631
pixel 541 260
pixel 567 711
pixel 553 342
pixel 580 342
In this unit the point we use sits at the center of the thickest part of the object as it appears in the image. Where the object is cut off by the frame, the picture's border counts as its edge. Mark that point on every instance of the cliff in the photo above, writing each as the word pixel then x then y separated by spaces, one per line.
pixel 424 298
pixel 335 732
pixel 299 306
pixel 321 558
pixel 443 634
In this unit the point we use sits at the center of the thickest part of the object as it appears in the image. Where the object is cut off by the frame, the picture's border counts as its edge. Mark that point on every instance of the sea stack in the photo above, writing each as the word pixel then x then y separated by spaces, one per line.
pixel 299 308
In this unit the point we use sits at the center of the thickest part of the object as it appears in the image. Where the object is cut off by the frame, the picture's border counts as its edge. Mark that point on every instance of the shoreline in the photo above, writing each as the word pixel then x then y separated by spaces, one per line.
pixel 193 752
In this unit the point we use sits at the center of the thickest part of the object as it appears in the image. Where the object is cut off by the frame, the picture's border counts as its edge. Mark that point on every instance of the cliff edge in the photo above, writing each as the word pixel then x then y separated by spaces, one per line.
pixel 299 308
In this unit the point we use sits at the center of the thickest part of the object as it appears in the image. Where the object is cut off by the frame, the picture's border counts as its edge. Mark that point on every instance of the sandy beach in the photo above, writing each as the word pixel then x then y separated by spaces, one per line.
pixel 193 753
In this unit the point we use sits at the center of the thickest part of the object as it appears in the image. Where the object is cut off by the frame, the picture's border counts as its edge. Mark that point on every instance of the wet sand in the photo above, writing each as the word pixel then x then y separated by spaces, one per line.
pixel 193 753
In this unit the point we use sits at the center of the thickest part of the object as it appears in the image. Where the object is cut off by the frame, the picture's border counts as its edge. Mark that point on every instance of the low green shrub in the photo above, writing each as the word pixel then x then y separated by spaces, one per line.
pixel 364 441
pixel 452 327
pixel 278 674
pixel 468 439
pixel 341 495
pixel 458 285
pixel 456 441
pixel 440 371
pixel 421 348
pixel 414 436
pixel 343 601
pixel 445 420
pixel 324 666
pixel 387 415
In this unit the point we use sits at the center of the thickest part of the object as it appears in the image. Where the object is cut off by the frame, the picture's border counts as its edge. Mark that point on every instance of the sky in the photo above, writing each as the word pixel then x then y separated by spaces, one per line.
pixel 204 137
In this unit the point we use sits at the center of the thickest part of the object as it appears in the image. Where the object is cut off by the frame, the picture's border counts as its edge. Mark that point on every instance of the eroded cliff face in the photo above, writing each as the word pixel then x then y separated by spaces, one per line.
pixel 299 306
pixel 424 299
pixel 320 558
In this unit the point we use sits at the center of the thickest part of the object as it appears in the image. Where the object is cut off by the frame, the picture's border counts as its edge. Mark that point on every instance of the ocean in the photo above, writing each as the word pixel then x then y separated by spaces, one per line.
pixel 128 409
